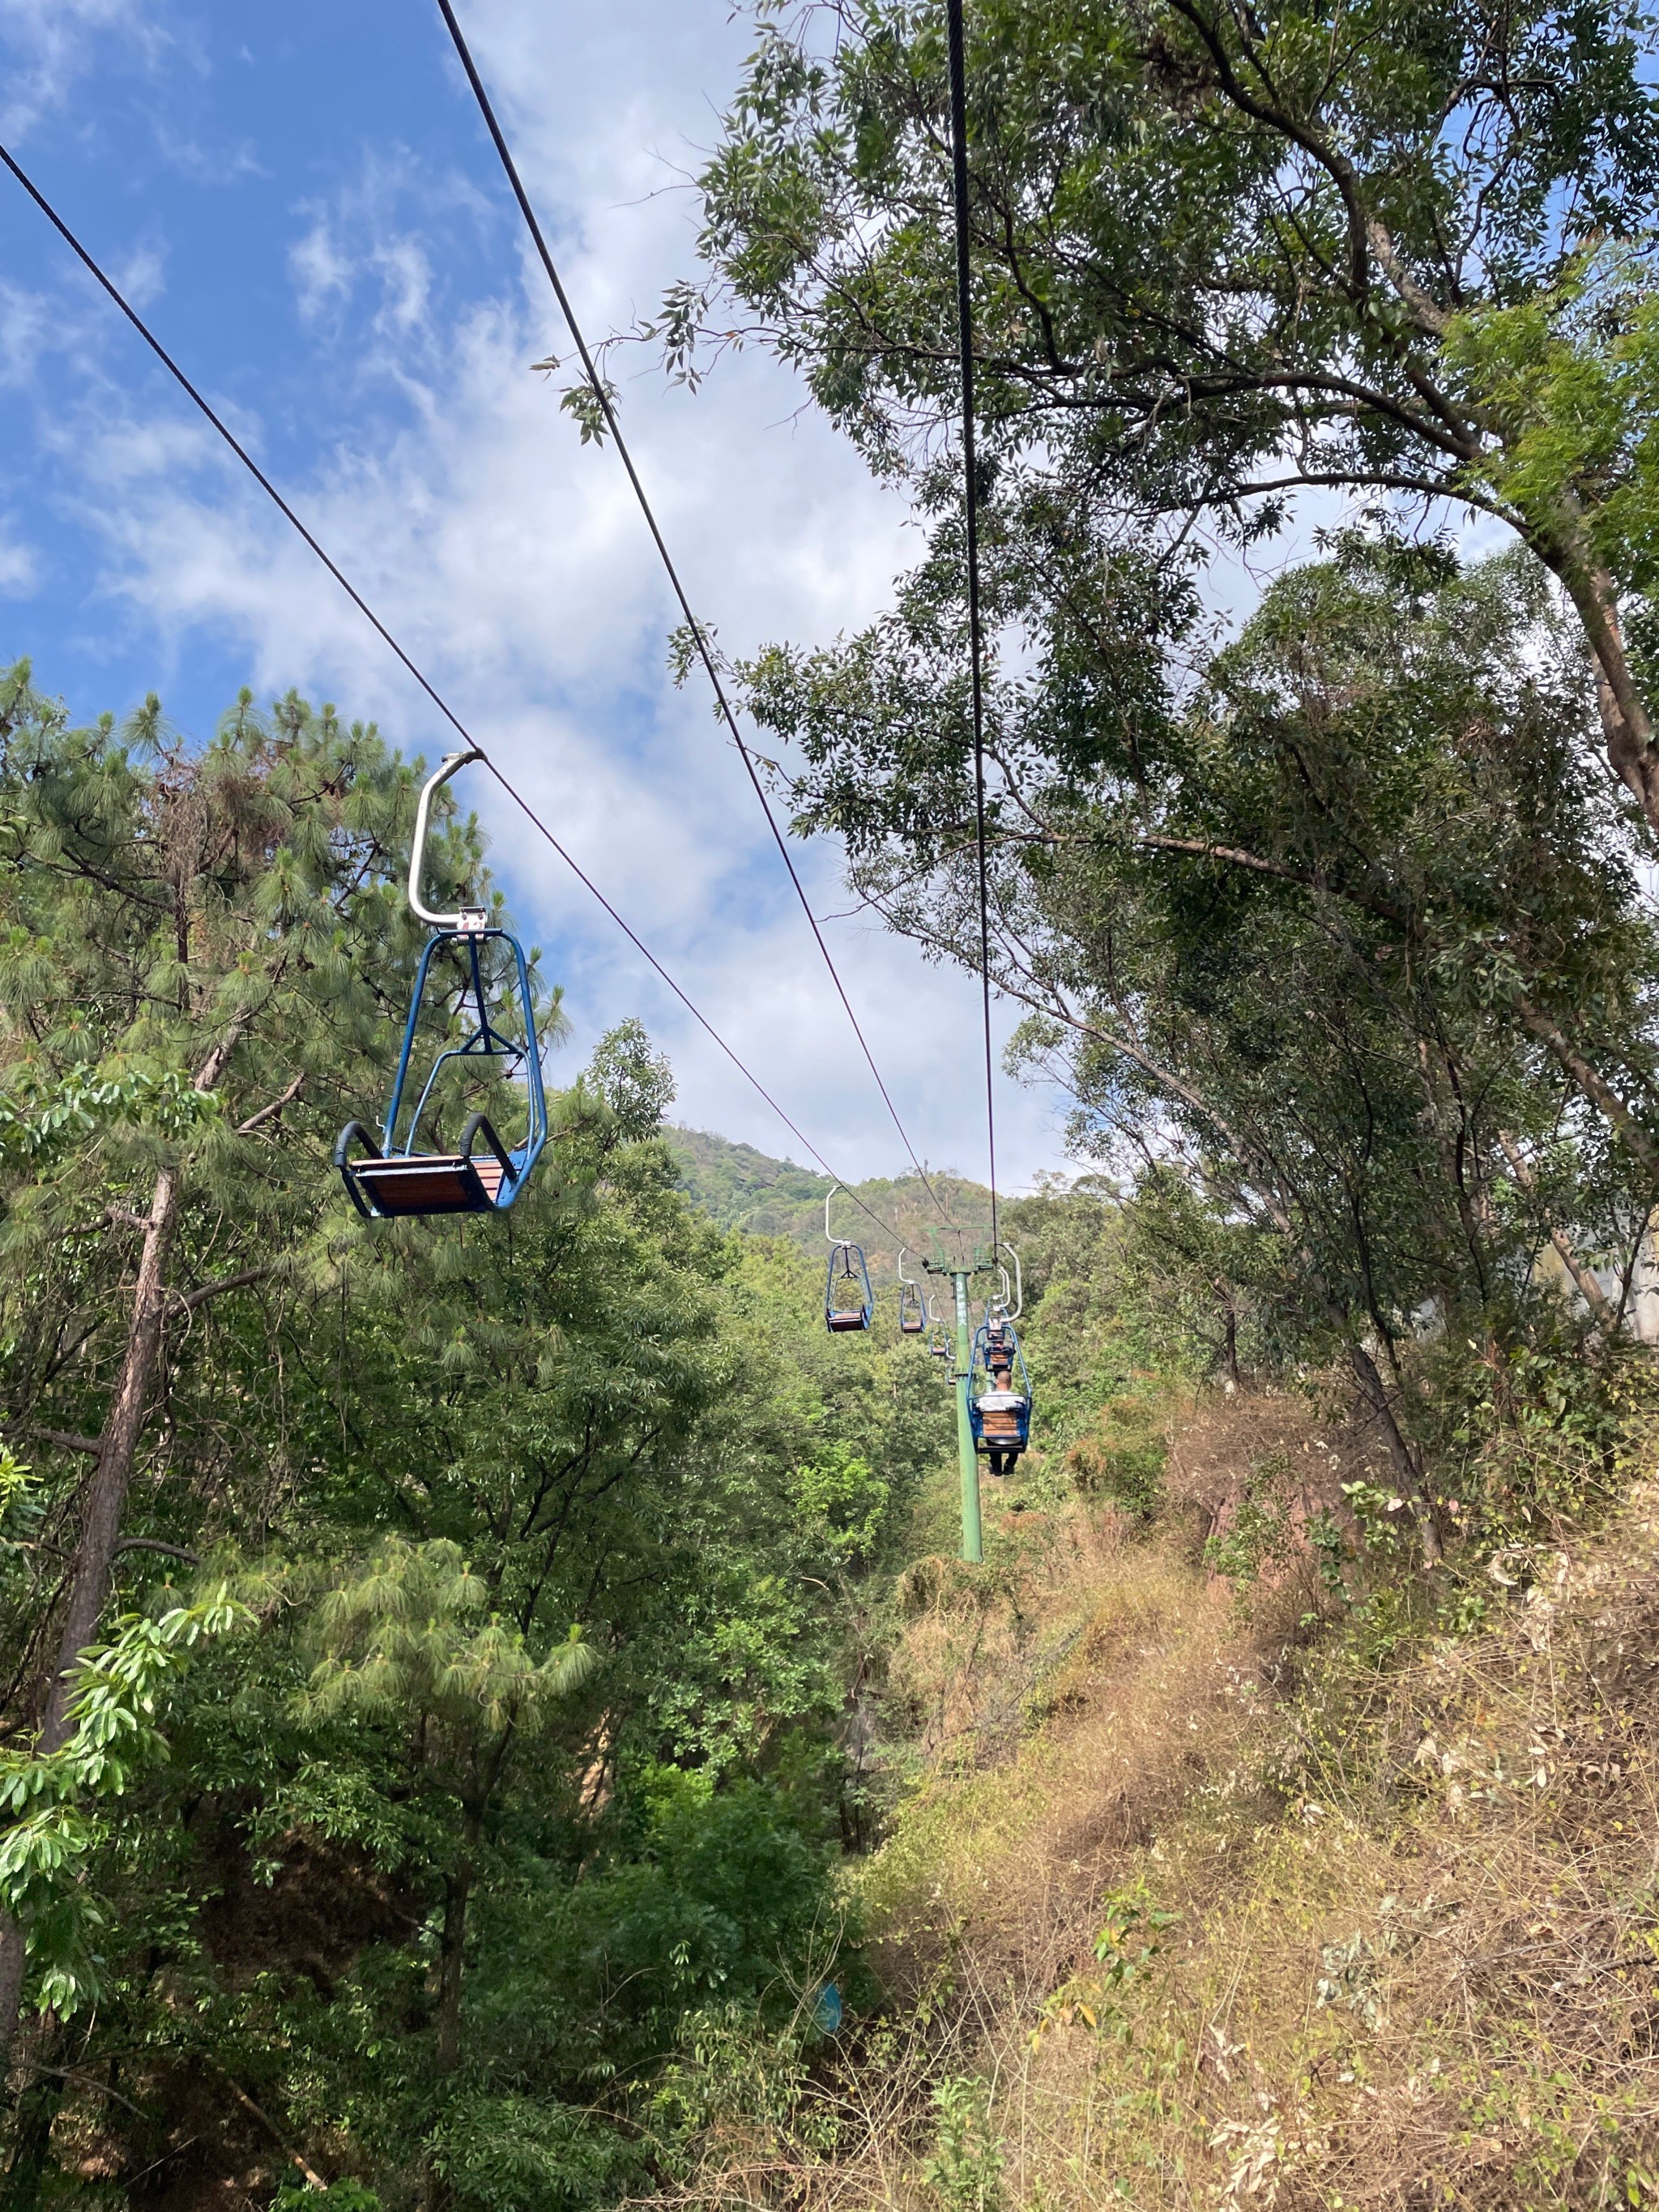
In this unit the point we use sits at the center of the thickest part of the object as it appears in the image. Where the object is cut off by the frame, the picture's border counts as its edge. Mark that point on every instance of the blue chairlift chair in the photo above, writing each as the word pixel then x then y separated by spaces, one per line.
pixel 1000 1388
pixel 485 1174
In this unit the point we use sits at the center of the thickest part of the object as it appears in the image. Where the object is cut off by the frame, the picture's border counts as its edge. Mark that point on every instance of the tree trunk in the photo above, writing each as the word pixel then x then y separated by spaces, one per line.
pixel 1230 1341
pixel 117 1447
pixel 31 2144
pixel 1602 1312
pixel 452 1967
pixel 1625 724
pixel 451 1958
pixel 100 1528
pixel 106 1497
pixel 13 1956
pixel 1403 1460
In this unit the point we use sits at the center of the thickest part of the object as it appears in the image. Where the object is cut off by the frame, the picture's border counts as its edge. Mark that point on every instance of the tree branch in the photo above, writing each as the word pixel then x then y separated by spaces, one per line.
pixel 1589 1290
pixel 188 1302
pixel 246 1128
pixel 66 1440
pixel 154 1544
pixel 1594 1088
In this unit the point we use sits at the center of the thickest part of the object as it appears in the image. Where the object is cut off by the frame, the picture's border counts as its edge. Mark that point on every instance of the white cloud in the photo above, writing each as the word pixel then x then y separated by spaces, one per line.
pixel 49 45
pixel 19 561
pixel 321 273
pixel 369 236
pixel 27 325
pixel 141 274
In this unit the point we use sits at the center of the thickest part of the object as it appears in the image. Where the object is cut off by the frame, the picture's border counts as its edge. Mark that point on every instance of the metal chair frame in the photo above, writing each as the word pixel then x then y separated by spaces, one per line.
pixel 912 1309
pixel 450 1183
pixel 842 1319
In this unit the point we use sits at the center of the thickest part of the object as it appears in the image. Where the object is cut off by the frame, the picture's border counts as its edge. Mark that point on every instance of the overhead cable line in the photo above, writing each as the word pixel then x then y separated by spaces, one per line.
pixel 971 512
pixel 705 654
pixel 442 705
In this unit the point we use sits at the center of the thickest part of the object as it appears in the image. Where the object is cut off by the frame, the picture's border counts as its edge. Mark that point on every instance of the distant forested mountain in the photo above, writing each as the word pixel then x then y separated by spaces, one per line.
pixel 740 1187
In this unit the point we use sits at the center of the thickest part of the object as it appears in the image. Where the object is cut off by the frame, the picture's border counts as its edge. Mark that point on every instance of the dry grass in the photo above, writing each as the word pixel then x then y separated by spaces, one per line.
pixel 1413 1955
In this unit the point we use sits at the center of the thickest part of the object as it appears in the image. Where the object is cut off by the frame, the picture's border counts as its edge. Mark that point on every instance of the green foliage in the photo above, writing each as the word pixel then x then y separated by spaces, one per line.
pixel 339 2196
pixel 634 1079
pixel 740 1187
pixel 43 1119
pixel 1260 1534
pixel 56 1804
pixel 417 1868
pixel 1122 1459
pixel 841 1494
pixel 1128 1938
pixel 725 1901
pixel 1218 258
pixel 1569 375
pixel 405 1642
pixel 518 2154
pixel 736 1186
pixel 966 2171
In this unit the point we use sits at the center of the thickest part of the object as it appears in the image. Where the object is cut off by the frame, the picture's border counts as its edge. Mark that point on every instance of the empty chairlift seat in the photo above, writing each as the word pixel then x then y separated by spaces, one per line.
pixel 849 1301
pixel 495 1018
pixel 426 1182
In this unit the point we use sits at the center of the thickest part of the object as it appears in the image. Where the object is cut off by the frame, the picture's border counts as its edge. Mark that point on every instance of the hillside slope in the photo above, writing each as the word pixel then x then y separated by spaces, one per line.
pixel 1189 1903
pixel 740 1187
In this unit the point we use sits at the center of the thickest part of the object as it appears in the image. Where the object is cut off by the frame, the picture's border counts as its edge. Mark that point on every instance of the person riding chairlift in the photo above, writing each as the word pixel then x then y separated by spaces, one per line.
pixel 999 1363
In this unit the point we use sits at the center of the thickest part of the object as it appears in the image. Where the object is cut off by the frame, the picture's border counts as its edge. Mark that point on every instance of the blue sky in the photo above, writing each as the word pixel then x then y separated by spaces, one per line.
pixel 302 203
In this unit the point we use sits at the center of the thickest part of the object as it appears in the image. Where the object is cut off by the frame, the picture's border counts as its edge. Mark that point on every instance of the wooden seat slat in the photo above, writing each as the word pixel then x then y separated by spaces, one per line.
pixel 431 1182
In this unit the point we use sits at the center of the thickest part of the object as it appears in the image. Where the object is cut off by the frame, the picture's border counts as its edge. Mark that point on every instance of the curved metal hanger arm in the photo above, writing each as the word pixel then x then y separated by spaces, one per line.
pixel 841 1243
pixel 468 917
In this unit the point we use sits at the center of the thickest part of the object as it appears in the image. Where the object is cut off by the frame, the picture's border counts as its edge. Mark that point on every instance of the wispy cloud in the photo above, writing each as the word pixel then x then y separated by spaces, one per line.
pixel 19 561
pixel 48 46
pixel 369 245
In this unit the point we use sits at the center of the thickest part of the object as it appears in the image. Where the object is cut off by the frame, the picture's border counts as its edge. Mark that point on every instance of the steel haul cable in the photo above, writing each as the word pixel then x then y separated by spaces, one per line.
pixel 448 713
pixel 971 512
pixel 601 393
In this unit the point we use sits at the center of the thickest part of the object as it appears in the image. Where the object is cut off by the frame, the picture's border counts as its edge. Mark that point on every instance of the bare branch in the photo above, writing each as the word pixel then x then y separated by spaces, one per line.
pixel 246 1128
pixel 1589 1289
pixel 188 1302
pixel 65 1440
pixel 154 1544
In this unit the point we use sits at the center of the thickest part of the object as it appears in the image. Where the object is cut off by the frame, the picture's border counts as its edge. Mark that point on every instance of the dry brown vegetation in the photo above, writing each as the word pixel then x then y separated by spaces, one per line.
pixel 1189 1906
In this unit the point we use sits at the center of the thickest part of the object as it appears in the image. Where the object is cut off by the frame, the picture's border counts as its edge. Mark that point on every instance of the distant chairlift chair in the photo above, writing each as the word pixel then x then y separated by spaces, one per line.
pixel 939 1336
pixel 913 1311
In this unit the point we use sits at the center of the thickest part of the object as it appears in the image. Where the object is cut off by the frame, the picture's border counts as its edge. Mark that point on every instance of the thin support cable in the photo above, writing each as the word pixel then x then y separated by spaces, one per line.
pixel 705 653
pixel 970 512
pixel 426 685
